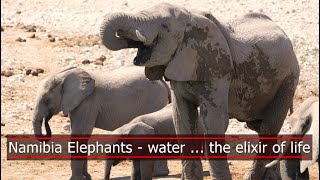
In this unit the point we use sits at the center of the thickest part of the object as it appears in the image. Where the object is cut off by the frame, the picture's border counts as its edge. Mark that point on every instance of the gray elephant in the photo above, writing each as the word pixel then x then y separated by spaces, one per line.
pixel 95 99
pixel 244 68
pixel 303 121
pixel 159 122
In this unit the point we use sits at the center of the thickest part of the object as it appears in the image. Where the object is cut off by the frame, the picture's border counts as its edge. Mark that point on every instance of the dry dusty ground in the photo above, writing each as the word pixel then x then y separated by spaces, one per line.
pixel 74 25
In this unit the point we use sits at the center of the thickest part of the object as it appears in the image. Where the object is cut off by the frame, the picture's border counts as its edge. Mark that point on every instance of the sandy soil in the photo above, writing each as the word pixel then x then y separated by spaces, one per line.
pixel 74 26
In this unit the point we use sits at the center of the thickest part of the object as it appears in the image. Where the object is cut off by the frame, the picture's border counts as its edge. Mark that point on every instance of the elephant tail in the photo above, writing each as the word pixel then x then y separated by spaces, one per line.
pixel 168 89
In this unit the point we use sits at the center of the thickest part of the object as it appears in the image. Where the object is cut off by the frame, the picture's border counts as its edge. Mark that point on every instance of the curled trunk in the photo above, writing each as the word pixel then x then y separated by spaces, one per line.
pixel 128 28
pixel 116 24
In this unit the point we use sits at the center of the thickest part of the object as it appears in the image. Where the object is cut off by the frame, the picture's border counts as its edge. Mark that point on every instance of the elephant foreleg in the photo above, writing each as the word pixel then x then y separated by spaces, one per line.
pixel 136 171
pixel 214 115
pixel 107 170
pixel 82 123
pixel 185 117
pixel 160 168
pixel 146 168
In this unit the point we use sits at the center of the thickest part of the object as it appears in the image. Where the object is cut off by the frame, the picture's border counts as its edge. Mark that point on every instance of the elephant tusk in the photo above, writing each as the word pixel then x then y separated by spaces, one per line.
pixel 141 37
pixel 274 162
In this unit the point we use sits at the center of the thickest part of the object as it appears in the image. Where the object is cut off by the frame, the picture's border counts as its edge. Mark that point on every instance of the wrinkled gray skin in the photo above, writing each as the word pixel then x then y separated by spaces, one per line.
pixel 303 121
pixel 159 122
pixel 244 68
pixel 95 99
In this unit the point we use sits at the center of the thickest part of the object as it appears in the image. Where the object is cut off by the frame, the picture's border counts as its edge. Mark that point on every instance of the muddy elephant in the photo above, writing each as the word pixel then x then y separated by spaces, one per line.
pixel 156 123
pixel 244 68
pixel 95 99
pixel 303 121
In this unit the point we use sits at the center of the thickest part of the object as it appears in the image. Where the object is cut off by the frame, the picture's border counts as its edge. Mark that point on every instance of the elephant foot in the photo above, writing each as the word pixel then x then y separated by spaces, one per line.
pixel 160 173
pixel 160 168
pixel 88 176
pixel 84 177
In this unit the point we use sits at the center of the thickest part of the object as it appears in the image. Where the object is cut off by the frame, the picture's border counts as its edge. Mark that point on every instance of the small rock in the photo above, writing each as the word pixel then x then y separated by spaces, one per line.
pixel 58 120
pixel 28 71
pixel 39 70
pixel 19 39
pixel 70 59
pixel 66 127
pixel 21 67
pixel 3 124
pixel 18 12
pixel 6 73
pixel 2 29
pixel 52 39
pixel 102 58
pixel 17 78
pixel 98 62
pixel 63 115
pixel 34 73
pixel 49 35
pixel 13 116
pixel 26 106
pixel 86 61
pixel 30 28
pixel 32 36
pixel 42 163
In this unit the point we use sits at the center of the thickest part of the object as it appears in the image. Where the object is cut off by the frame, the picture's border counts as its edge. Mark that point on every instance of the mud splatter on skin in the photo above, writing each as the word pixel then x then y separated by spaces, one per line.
pixel 249 73
pixel 212 61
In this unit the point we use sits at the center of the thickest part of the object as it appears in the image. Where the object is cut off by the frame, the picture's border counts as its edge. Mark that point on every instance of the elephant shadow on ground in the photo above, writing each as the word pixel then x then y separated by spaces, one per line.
pixel 121 178
pixel 205 173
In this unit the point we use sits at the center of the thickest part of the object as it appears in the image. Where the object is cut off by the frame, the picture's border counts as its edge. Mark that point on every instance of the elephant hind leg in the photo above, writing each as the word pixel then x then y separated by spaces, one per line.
pixel 254 125
pixel 273 117
pixel 275 113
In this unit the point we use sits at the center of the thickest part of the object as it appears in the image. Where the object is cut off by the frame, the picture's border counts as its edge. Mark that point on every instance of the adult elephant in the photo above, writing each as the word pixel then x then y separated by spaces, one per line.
pixel 96 99
pixel 245 69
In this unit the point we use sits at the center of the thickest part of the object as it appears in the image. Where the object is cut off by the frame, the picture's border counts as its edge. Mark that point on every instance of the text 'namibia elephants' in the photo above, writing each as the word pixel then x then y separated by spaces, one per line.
pixel 159 147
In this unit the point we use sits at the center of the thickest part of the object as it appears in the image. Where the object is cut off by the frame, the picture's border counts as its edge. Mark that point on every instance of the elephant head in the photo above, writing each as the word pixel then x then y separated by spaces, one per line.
pixel 63 91
pixel 303 121
pixel 174 42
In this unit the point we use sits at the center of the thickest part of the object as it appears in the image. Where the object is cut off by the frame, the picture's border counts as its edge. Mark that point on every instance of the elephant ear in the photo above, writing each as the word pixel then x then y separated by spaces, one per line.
pixel 76 86
pixel 203 53
pixel 154 73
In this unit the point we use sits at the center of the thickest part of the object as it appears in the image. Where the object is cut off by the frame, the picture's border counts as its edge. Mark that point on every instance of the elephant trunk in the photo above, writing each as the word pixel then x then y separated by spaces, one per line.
pixel 128 28
pixel 37 124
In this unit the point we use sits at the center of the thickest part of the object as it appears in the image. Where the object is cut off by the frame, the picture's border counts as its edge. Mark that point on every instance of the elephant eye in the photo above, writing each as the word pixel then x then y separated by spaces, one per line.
pixel 46 100
pixel 164 25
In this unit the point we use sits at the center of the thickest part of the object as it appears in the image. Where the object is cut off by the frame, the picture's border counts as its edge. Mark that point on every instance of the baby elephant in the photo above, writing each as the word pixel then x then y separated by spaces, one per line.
pixel 159 122
pixel 105 100
pixel 303 121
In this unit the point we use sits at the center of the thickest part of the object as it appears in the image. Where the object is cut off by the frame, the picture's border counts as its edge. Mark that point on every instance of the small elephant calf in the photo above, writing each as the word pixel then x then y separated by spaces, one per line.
pixel 105 100
pixel 303 121
pixel 160 122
